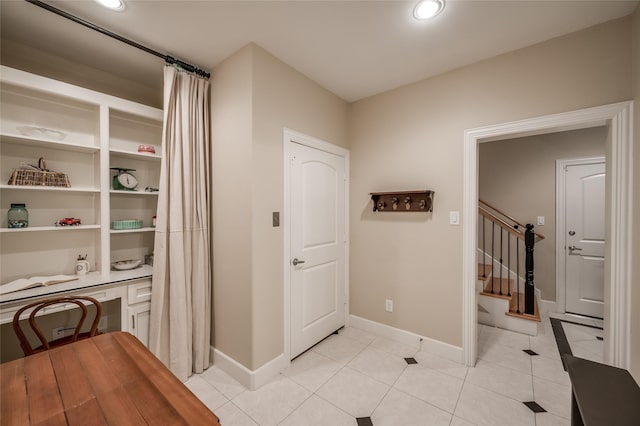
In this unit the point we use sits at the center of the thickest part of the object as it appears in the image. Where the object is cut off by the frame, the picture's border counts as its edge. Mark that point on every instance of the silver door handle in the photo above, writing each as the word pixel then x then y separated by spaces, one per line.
pixel 574 248
pixel 295 261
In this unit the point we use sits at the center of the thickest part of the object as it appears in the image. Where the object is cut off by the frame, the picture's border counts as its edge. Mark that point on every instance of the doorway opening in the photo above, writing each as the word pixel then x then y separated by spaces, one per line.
pixel 618 213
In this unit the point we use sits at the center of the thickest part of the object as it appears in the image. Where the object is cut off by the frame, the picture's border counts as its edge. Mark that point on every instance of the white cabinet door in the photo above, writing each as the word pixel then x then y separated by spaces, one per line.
pixel 139 321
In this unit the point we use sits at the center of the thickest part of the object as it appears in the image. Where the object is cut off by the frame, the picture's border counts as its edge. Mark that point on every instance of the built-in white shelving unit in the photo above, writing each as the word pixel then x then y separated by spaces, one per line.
pixel 82 133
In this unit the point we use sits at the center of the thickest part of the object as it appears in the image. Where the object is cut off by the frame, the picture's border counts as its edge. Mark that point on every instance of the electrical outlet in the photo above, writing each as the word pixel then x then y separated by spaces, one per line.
pixel 388 306
pixel 57 333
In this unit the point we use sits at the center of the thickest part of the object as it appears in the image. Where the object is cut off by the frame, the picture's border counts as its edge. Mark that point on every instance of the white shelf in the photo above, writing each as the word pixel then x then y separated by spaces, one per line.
pixel 100 132
pixel 50 228
pixel 136 155
pixel 46 143
pixel 49 188
pixel 130 231
pixel 136 192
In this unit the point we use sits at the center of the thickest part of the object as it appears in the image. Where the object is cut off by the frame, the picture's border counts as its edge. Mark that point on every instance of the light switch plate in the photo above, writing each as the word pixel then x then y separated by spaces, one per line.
pixel 276 219
pixel 540 220
pixel 454 218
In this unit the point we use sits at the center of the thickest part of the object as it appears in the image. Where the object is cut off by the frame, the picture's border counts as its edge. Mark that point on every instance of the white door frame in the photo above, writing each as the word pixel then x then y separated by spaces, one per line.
pixel 561 234
pixel 291 136
pixel 618 256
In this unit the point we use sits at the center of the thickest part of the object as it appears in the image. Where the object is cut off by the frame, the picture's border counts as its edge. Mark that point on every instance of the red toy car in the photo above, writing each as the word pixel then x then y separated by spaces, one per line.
pixel 68 221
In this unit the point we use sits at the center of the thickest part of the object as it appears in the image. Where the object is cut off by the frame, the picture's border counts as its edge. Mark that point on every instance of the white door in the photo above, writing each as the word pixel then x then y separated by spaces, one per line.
pixel 318 242
pixel 584 239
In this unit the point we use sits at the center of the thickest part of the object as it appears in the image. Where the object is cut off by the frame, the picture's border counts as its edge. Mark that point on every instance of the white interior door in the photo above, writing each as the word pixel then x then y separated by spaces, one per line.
pixel 318 242
pixel 585 238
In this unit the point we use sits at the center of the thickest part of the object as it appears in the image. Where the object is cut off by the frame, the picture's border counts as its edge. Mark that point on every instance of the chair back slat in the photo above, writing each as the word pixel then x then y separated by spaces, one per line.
pixel 43 304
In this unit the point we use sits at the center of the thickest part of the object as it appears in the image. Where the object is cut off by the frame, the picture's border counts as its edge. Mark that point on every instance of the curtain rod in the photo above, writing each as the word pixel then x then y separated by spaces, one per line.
pixel 168 59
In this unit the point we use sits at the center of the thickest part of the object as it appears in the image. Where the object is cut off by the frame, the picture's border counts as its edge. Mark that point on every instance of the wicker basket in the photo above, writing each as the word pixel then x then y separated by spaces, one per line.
pixel 39 177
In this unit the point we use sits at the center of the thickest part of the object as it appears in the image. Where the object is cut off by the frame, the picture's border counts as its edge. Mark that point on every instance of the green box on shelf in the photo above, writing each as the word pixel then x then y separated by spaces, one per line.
pixel 126 224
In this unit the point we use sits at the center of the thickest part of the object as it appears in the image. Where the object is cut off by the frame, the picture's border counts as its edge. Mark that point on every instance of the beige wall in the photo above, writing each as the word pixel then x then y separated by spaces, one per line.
pixel 248 172
pixel 412 138
pixel 26 58
pixel 231 136
pixel 282 97
pixel 518 176
pixel 635 282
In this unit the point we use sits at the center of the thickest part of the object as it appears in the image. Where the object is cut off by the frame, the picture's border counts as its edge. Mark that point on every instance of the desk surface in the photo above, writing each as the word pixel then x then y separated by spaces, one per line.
pixel 109 379
pixel 91 280
pixel 605 395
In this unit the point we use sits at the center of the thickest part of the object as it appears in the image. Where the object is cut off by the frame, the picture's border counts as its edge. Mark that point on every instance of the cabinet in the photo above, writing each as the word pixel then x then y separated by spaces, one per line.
pixel 83 134
pixel 125 306
pixel 139 310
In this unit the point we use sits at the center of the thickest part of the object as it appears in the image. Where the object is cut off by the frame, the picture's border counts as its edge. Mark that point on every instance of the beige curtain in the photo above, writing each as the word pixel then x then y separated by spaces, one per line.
pixel 181 297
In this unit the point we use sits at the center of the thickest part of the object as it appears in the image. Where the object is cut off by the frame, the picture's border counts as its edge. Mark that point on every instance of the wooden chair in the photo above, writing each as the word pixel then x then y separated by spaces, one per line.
pixel 46 345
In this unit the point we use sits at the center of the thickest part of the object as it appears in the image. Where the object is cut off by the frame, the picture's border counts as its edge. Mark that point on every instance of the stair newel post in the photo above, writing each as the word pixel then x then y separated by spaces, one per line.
pixel 529 289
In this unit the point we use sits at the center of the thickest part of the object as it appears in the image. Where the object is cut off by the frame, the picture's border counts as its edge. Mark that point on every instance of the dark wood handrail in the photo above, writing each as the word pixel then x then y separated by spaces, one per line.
pixel 484 212
pixel 506 226
pixel 502 213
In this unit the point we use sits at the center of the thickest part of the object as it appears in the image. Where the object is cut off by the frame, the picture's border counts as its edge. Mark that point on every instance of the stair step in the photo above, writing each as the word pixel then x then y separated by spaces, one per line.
pixel 486 269
pixel 513 311
pixel 496 288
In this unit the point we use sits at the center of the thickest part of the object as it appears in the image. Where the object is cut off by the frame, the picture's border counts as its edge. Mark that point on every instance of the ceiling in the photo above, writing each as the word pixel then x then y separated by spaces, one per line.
pixel 355 49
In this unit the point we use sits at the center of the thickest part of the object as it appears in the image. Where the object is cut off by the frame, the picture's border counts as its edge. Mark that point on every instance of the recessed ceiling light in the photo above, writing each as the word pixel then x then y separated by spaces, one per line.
pixel 426 9
pixel 112 4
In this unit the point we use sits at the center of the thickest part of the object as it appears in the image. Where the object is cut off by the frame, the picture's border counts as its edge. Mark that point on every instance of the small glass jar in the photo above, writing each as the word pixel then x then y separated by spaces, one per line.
pixel 18 216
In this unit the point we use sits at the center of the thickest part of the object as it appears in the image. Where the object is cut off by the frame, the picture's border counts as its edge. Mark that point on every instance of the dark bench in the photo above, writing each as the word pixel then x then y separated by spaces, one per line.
pixel 602 395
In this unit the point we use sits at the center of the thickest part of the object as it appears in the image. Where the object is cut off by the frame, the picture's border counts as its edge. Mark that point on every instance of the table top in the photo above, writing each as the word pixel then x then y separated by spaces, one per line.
pixel 107 379
pixel 605 395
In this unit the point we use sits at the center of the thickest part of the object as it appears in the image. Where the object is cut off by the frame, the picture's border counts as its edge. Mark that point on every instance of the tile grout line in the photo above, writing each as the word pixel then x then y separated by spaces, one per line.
pixel 339 370
pixel 300 405
pixel 455 406
pixel 391 386
pixel 533 388
pixel 245 413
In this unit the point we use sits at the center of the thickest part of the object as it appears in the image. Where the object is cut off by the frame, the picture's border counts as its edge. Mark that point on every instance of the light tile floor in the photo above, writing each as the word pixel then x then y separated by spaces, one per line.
pixel 584 341
pixel 356 374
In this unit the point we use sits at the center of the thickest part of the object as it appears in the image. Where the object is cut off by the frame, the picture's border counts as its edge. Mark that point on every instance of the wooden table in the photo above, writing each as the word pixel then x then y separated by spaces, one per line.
pixel 108 379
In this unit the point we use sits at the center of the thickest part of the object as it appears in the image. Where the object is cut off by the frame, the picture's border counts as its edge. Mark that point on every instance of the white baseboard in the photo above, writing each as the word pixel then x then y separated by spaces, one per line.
pixel 547 306
pixel 251 379
pixel 435 347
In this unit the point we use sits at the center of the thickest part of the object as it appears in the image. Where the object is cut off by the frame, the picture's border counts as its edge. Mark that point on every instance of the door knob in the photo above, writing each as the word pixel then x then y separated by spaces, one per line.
pixel 295 261
pixel 574 248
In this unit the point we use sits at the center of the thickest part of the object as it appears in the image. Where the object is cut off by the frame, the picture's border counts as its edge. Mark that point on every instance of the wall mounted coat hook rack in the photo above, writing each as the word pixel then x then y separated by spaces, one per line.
pixel 403 201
